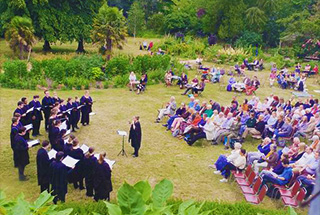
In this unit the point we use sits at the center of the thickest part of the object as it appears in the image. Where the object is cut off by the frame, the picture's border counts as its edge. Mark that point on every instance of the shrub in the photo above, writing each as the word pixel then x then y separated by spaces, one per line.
pixel 248 39
pixel 120 81
pixel 97 74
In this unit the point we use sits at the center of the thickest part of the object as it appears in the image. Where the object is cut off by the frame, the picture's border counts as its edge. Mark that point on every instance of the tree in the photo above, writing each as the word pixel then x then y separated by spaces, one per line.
pixel 136 20
pixel 109 28
pixel 20 35
pixel 256 18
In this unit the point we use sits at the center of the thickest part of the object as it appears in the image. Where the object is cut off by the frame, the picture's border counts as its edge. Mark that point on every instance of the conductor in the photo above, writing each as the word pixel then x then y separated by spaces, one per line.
pixel 135 135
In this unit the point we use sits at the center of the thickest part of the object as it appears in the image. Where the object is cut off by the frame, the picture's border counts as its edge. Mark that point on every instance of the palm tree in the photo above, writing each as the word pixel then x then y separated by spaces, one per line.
pixel 109 28
pixel 256 18
pixel 20 35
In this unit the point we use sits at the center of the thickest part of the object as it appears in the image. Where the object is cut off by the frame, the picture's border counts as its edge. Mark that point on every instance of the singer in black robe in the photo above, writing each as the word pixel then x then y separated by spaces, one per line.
pixel 59 179
pixel 89 164
pixel 102 181
pixel 36 116
pixel 76 176
pixel 43 169
pixel 135 136
pixel 47 104
pixel 86 109
pixel 22 155
pixel 13 133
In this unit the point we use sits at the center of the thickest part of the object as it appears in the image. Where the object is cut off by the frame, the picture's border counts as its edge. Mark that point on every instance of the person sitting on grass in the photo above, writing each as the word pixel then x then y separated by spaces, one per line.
pixel 238 164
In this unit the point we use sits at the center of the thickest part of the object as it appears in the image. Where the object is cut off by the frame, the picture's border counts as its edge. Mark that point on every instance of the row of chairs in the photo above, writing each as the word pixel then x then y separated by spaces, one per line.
pixel 291 196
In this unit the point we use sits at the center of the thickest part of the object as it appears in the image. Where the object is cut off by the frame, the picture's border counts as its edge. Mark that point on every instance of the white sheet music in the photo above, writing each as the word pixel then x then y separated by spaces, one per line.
pixel 122 133
pixel 29 110
pixel 33 143
pixel 79 107
pixel 84 148
pixel 63 125
pixel 70 161
pixel 39 108
pixel 92 113
pixel 68 132
pixel 52 154
pixel 109 162
pixel 28 127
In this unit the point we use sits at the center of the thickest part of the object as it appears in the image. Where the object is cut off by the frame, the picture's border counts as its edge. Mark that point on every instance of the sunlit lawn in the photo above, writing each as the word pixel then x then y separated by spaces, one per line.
pixel 162 156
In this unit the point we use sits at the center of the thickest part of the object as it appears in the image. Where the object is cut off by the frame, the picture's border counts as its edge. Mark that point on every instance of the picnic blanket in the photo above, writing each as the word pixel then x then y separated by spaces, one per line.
pixel 301 94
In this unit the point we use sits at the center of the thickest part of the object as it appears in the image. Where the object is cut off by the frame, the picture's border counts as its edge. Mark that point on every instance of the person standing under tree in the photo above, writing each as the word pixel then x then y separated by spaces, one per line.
pixel 86 101
pixel 135 135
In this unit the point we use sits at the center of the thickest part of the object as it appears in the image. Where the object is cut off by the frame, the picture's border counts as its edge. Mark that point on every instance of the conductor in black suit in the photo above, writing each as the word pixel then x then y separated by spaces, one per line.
pixel 135 135
pixel 43 167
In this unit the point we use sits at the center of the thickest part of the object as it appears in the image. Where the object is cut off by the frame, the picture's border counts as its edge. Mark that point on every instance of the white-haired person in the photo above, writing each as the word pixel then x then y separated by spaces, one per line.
pixel 224 159
pixel 263 150
pixel 133 81
pixel 269 161
pixel 170 109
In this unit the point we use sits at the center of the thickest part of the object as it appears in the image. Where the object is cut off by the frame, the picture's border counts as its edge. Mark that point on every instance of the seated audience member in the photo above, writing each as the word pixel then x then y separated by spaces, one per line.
pixel 190 86
pixel 224 159
pixel 169 109
pixel 133 81
pixel 231 81
pixel 299 153
pixel 233 132
pixel 199 88
pixel 278 169
pixel 206 131
pixel 279 179
pixel 180 111
pixel 315 70
pixel 183 80
pixel 301 127
pixel 270 160
pixel 216 75
pixel 225 127
pixel 257 130
pixel 284 131
pixel 272 78
pixel 168 78
pixel 142 84
pixel 263 150
pixel 238 164
pixel 305 159
pixel 315 145
pixel 308 182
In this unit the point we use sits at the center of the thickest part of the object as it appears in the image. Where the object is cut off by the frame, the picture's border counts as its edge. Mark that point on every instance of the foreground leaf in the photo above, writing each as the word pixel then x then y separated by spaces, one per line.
pixel 113 209
pixel 162 191
pixel 144 188
pixel 130 200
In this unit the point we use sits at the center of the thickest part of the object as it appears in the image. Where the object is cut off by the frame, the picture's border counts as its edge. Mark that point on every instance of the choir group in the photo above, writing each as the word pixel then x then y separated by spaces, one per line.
pixel 67 161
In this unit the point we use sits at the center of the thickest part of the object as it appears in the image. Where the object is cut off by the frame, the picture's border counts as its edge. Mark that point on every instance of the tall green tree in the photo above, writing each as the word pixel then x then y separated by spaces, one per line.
pixel 109 28
pixel 20 35
pixel 136 21
pixel 256 18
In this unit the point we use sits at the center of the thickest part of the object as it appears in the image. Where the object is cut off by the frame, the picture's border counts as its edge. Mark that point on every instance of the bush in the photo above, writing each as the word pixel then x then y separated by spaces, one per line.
pixel 248 39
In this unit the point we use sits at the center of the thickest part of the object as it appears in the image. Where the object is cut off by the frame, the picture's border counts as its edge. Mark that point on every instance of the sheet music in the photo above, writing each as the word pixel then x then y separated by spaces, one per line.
pixel 52 154
pixel 28 127
pixel 67 111
pixel 70 161
pixel 84 148
pixel 39 108
pixel 33 143
pixel 79 106
pixel 29 110
pixel 109 162
pixel 92 113
pixel 122 133
pixel 63 125
pixel 68 132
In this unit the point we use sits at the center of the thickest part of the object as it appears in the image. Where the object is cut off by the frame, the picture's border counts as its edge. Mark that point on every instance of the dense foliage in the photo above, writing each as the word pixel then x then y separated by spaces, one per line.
pixel 84 71
pixel 43 205
pixel 141 199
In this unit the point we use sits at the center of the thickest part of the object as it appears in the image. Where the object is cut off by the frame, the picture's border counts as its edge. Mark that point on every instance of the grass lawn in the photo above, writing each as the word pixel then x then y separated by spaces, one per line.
pixel 162 156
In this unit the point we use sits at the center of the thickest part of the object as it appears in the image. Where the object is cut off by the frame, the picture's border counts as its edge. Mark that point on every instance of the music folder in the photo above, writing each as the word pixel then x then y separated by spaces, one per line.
pixel 122 133
pixel 52 154
pixel 84 148
pixel 28 127
pixel 33 143
pixel 70 161
pixel 29 110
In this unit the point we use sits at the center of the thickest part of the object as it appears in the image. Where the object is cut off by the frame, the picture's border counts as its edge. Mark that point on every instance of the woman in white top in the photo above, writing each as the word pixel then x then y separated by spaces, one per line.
pixel 132 81
pixel 238 164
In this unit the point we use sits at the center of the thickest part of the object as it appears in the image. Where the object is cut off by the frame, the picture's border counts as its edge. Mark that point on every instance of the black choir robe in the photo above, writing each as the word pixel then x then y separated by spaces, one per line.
pixel 36 116
pixel 54 133
pixel 13 133
pixel 135 137
pixel 47 104
pixel 77 173
pixel 67 149
pixel 89 164
pixel 59 180
pixel 102 181
pixel 43 167
pixel 21 150
pixel 86 109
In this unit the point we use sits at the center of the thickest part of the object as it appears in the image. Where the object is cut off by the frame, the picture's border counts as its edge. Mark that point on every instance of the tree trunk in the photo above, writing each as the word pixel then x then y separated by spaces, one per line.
pixel 46 46
pixel 80 48
pixel 109 49
pixel 21 51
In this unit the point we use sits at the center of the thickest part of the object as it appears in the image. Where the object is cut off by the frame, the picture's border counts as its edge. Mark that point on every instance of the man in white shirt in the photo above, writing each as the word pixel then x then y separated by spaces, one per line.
pixel 170 109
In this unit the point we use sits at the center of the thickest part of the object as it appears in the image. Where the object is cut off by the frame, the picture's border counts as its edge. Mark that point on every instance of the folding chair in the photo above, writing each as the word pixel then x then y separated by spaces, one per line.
pixel 256 199
pixel 241 174
pixel 291 192
pixel 254 189
pixel 246 181
pixel 294 201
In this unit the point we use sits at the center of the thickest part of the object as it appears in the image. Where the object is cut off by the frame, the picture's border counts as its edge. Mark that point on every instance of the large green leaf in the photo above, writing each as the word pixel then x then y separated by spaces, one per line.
pixel 21 207
pixel 130 200
pixel 113 209
pixel 64 212
pixel 144 188
pixel 162 191
pixel 184 205
pixel 43 199
pixel 291 211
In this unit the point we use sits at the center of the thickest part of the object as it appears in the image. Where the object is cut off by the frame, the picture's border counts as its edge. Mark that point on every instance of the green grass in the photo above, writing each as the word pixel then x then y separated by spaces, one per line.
pixel 162 156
